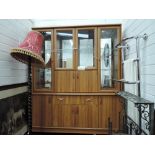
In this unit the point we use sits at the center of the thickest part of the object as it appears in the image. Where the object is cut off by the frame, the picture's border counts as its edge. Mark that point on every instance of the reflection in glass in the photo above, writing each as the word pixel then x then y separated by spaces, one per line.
pixel 108 56
pixel 43 76
pixel 86 49
pixel 64 49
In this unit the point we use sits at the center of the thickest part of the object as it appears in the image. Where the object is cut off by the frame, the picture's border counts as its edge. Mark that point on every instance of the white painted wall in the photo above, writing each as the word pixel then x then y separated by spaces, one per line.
pixel 12 32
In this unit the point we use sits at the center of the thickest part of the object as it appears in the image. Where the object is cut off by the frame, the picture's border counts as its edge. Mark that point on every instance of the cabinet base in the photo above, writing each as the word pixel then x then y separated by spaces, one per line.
pixel 60 130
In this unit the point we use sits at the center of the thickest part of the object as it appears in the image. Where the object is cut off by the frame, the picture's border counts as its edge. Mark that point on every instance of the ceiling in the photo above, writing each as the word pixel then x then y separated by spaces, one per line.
pixel 64 22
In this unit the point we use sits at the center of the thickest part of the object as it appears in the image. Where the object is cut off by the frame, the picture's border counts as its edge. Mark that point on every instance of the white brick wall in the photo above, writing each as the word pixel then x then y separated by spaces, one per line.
pixel 147 52
pixel 12 32
pixel 147 59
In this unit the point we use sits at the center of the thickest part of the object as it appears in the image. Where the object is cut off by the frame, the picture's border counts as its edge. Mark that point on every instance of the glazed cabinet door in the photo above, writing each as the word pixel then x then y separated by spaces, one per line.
pixel 43 77
pixel 86 60
pixel 64 48
pixel 76 60
pixel 109 63
pixel 41 111
pixel 64 60
pixel 111 109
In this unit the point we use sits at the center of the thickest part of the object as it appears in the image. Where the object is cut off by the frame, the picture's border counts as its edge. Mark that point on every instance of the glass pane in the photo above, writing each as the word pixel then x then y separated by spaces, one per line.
pixel 43 76
pixel 64 49
pixel 86 49
pixel 108 56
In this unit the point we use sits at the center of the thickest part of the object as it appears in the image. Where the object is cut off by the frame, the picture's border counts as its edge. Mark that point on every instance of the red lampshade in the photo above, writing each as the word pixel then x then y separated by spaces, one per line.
pixel 30 49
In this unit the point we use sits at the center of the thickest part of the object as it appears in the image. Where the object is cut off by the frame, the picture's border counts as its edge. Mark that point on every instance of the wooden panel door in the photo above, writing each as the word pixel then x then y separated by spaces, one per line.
pixel 75 112
pixel 64 81
pixel 41 111
pixel 110 107
pixel 89 112
pixel 64 111
pixel 86 81
pixel 61 115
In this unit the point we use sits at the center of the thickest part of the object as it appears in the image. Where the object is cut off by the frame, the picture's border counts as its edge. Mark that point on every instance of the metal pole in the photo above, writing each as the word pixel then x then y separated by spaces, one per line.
pixel 138 79
pixel 151 119
pixel 29 98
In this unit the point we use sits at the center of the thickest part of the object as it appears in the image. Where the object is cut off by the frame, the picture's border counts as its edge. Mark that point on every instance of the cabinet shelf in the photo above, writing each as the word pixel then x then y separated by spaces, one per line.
pixel 133 98
pixel 126 82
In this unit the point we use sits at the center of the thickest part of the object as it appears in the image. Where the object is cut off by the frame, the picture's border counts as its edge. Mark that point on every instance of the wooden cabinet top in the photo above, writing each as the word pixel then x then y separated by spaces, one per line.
pixel 76 26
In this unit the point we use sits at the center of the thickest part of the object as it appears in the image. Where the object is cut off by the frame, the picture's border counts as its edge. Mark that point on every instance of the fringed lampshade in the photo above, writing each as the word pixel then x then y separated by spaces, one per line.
pixel 30 49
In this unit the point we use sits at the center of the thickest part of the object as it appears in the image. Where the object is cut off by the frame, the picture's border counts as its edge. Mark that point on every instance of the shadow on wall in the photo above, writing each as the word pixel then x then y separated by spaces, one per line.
pixel 13 114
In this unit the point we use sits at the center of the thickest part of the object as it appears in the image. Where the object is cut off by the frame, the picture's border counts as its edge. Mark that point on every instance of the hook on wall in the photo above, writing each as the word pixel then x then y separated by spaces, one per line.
pixel 144 36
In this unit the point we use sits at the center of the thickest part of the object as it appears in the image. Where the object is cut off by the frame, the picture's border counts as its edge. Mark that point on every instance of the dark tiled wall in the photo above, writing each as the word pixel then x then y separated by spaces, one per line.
pixel 13 114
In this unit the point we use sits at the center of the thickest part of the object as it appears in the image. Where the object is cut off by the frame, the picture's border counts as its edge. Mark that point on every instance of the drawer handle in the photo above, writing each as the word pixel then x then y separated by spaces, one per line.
pixel 60 99
pixel 89 99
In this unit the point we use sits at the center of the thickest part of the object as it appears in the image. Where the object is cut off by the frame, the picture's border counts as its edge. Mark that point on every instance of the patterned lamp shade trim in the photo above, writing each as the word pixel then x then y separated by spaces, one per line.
pixel 30 48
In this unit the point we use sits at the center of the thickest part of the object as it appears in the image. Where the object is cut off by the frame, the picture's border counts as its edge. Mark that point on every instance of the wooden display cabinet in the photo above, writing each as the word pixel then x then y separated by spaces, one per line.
pixel 77 92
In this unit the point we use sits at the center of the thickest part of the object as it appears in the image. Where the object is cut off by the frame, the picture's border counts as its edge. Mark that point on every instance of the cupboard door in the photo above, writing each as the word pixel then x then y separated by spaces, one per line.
pixel 86 81
pixel 110 107
pixel 71 111
pixel 64 81
pixel 89 115
pixel 64 110
pixel 41 111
